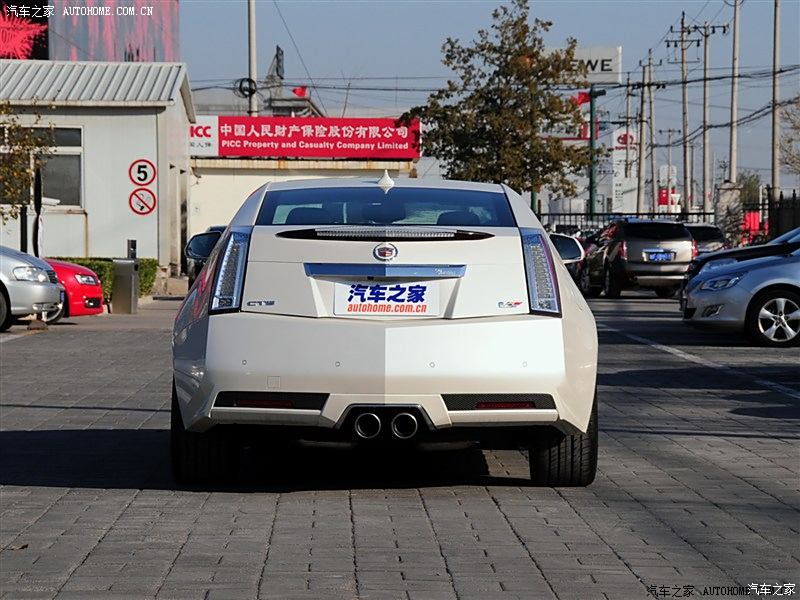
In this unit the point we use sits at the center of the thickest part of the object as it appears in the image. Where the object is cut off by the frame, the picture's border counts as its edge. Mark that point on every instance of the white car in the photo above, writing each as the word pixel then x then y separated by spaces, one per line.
pixel 385 312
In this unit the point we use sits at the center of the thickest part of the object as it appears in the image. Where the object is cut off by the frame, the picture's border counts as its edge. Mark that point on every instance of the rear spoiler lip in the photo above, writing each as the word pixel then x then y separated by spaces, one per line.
pixel 373 270
pixel 384 234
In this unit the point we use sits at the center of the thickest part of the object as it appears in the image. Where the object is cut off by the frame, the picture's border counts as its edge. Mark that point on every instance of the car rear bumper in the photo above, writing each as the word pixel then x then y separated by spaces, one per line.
pixel 359 363
pixel 29 297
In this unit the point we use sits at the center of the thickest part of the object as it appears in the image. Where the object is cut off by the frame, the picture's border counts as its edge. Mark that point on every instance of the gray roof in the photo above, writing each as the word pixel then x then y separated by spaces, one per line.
pixel 404 182
pixel 73 83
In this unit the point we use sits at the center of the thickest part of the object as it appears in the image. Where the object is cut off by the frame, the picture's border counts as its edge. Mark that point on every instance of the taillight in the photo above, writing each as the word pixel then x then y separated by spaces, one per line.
pixel 541 273
pixel 695 250
pixel 227 295
pixel 623 250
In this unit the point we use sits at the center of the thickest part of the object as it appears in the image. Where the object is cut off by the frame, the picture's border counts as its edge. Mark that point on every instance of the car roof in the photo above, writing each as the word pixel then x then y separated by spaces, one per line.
pixel 690 225
pixel 406 182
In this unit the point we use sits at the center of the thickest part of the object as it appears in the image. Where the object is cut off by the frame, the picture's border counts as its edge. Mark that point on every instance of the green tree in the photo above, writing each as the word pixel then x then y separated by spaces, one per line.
pixel 22 152
pixel 750 184
pixel 490 122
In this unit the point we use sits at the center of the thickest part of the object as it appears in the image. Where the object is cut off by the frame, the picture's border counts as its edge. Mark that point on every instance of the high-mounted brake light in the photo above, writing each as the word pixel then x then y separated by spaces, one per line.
pixel 540 269
pixel 228 286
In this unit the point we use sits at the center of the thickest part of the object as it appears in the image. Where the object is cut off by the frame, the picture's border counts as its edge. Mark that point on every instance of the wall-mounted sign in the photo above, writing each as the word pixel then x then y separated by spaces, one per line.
pixel 142 201
pixel 303 137
pixel 142 172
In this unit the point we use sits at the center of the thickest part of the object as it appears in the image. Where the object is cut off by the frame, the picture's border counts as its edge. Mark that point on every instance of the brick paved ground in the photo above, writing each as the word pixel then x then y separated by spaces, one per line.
pixel 698 484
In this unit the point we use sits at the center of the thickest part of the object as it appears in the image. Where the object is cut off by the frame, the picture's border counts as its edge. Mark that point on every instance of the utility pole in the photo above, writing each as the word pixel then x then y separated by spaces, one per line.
pixel 734 93
pixel 652 120
pixel 682 43
pixel 593 94
pixel 641 136
pixel 707 30
pixel 669 133
pixel 776 115
pixel 252 109
pixel 627 126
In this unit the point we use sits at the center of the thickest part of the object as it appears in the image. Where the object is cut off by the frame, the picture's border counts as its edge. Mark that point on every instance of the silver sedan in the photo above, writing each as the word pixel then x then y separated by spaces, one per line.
pixel 760 297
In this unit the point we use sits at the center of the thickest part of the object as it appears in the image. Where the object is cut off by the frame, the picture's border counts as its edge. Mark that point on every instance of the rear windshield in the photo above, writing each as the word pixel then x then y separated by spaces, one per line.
pixel 657 231
pixel 706 234
pixel 399 206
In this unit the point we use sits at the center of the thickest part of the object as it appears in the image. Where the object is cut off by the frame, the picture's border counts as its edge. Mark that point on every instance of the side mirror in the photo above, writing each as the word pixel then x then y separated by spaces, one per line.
pixel 200 246
pixel 568 248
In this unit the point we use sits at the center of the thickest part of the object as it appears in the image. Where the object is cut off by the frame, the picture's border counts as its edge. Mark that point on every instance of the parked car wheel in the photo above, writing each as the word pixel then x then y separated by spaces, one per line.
pixel 773 318
pixel 5 312
pixel 611 284
pixel 557 459
pixel 585 284
pixel 666 292
pixel 206 457
pixel 54 316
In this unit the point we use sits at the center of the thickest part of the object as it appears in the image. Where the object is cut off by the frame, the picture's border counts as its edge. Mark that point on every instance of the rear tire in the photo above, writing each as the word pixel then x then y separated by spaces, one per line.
pixel 667 292
pixel 585 284
pixel 208 457
pixel 782 329
pixel 560 460
pixel 5 311
pixel 611 284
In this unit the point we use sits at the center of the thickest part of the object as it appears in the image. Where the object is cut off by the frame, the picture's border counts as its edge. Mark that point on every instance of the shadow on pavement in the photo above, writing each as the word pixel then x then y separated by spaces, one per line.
pixel 140 459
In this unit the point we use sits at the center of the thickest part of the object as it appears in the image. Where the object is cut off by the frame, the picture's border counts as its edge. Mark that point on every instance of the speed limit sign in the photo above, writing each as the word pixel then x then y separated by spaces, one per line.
pixel 142 172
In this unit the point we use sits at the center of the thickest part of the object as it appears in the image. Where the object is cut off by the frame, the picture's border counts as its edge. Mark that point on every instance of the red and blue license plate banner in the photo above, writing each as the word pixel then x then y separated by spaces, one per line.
pixel 303 137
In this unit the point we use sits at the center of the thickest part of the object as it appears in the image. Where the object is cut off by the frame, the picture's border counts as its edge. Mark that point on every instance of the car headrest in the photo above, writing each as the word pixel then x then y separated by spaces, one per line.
pixel 303 215
pixel 386 212
pixel 458 217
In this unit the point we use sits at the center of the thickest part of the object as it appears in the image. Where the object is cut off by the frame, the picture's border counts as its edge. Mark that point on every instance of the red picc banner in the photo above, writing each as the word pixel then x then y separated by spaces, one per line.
pixel 304 137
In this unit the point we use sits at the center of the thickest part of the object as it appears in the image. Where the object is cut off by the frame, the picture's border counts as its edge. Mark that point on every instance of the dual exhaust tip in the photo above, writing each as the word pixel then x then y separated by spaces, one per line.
pixel 403 425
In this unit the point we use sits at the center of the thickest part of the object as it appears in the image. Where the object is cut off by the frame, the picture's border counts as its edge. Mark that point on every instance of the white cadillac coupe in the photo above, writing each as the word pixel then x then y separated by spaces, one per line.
pixel 385 312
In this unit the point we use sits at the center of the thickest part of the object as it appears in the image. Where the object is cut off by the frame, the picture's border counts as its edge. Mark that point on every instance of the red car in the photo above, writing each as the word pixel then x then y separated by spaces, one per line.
pixel 82 292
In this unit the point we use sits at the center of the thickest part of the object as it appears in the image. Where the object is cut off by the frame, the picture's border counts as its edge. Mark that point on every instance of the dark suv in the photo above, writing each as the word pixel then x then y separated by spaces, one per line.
pixel 637 253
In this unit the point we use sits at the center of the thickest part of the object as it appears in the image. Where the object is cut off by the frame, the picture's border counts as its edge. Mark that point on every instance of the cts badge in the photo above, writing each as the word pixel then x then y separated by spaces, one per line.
pixel 385 251
pixel 261 303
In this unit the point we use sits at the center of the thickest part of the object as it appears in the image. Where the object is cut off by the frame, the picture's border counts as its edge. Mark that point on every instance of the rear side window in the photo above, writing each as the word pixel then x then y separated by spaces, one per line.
pixel 657 231
pixel 706 234
pixel 399 206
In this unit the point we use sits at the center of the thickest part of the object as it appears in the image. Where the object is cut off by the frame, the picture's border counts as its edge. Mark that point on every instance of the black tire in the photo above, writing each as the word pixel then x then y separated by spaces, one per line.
pixel 208 457
pixel 781 303
pixel 5 311
pixel 585 284
pixel 560 460
pixel 666 292
pixel 612 288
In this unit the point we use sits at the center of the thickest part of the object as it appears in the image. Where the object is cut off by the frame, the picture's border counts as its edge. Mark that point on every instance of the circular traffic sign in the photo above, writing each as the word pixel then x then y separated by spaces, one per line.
pixel 142 172
pixel 142 201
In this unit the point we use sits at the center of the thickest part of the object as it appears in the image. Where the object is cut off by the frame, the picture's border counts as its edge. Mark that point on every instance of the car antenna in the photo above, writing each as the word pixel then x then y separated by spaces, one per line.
pixel 386 183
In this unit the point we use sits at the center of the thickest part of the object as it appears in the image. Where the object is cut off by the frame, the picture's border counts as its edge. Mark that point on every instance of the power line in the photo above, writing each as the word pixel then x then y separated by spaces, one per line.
pixel 297 49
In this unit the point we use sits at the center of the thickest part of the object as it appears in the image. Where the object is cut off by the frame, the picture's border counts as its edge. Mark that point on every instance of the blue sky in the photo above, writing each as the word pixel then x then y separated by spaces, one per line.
pixel 403 39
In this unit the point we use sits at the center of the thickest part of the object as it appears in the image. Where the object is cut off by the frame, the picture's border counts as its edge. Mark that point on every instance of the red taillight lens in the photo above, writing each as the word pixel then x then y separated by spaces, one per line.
pixel 623 250
pixel 503 405
pixel 695 250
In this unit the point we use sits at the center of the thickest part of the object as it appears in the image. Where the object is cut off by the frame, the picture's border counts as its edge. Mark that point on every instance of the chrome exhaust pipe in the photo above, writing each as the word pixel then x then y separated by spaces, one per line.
pixel 367 426
pixel 404 426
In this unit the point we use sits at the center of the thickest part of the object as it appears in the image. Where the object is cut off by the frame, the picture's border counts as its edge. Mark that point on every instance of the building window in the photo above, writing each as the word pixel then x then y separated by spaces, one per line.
pixel 62 168
pixel 61 178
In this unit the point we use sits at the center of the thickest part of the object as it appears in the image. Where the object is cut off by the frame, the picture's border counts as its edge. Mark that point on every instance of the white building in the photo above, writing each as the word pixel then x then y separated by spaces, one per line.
pixel 120 169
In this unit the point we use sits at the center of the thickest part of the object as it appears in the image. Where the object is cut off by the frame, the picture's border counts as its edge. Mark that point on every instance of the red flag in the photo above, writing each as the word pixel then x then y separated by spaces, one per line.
pixel 581 98
pixel 300 91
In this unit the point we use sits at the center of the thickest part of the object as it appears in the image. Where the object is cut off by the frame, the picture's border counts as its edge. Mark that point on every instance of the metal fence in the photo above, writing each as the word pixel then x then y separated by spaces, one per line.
pixel 573 222
pixel 782 214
